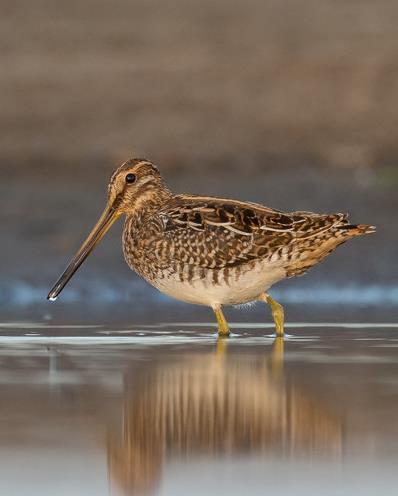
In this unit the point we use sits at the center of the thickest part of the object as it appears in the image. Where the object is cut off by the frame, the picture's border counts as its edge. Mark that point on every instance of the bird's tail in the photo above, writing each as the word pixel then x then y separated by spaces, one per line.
pixel 357 229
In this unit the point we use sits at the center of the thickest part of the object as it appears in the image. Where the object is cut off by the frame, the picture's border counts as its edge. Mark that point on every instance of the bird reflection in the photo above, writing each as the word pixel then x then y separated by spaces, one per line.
pixel 214 404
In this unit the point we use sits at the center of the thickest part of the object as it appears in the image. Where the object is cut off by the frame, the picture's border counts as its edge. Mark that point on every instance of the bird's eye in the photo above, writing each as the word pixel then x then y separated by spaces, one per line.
pixel 130 178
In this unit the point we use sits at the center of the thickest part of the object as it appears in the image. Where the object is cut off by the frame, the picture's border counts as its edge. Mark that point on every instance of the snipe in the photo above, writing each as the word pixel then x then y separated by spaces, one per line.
pixel 207 250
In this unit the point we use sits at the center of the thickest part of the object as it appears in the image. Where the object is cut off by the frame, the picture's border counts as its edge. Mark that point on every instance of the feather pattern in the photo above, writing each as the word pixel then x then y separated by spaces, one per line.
pixel 192 234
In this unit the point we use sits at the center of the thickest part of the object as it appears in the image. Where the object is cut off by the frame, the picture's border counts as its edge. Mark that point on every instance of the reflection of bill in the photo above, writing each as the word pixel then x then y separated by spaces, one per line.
pixel 215 404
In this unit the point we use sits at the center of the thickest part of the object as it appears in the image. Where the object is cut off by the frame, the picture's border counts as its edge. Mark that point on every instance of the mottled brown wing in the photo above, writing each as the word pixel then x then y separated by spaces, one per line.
pixel 219 233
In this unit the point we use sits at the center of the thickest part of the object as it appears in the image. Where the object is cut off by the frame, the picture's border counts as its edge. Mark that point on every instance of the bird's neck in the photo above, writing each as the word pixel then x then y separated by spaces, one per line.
pixel 147 203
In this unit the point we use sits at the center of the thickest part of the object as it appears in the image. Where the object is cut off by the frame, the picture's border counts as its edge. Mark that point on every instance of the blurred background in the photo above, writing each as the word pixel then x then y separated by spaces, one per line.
pixel 291 104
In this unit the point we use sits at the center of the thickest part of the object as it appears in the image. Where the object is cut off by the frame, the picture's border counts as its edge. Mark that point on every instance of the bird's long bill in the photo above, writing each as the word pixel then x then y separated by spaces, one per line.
pixel 106 220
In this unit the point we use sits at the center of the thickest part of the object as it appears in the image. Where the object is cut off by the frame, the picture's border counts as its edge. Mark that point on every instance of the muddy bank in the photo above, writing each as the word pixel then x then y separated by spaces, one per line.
pixel 314 81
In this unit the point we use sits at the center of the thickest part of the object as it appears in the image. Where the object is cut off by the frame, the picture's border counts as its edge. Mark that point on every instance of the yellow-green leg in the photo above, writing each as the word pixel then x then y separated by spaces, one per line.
pixel 277 313
pixel 223 329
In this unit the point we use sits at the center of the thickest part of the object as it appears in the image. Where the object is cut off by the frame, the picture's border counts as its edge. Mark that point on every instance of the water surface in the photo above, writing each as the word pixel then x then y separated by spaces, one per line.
pixel 170 410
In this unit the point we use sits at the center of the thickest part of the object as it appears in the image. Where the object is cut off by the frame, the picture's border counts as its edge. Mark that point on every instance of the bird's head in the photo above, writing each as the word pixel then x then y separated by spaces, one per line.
pixel 134 184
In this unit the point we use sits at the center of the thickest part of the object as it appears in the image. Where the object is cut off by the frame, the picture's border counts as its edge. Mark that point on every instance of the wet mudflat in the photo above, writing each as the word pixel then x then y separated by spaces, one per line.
pixel 170 410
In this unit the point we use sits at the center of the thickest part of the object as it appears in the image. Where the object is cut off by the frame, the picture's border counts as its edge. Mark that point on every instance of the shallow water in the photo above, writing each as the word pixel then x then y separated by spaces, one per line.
pixel 170 410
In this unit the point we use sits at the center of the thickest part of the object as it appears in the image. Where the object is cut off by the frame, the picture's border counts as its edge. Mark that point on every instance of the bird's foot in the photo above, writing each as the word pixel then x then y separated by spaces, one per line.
pixel 223 328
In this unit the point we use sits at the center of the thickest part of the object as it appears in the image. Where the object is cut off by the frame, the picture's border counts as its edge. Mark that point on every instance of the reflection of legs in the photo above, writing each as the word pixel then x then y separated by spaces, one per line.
pixel 277 313
pixel 223 329
pixel 277 357
pixel 221 349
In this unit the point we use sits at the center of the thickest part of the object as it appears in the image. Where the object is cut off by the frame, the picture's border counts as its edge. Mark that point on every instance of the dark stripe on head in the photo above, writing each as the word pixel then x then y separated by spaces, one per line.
pixel 133 163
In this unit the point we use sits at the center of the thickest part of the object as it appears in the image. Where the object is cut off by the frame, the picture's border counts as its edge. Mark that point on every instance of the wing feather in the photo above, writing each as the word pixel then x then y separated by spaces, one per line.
pixel 219 233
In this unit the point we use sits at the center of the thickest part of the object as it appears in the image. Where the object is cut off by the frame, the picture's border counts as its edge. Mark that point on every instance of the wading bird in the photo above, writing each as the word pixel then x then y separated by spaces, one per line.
pixel 207 250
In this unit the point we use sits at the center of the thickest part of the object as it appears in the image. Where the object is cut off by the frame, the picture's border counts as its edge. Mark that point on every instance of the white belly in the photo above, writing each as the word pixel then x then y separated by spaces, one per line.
pixel 243 289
